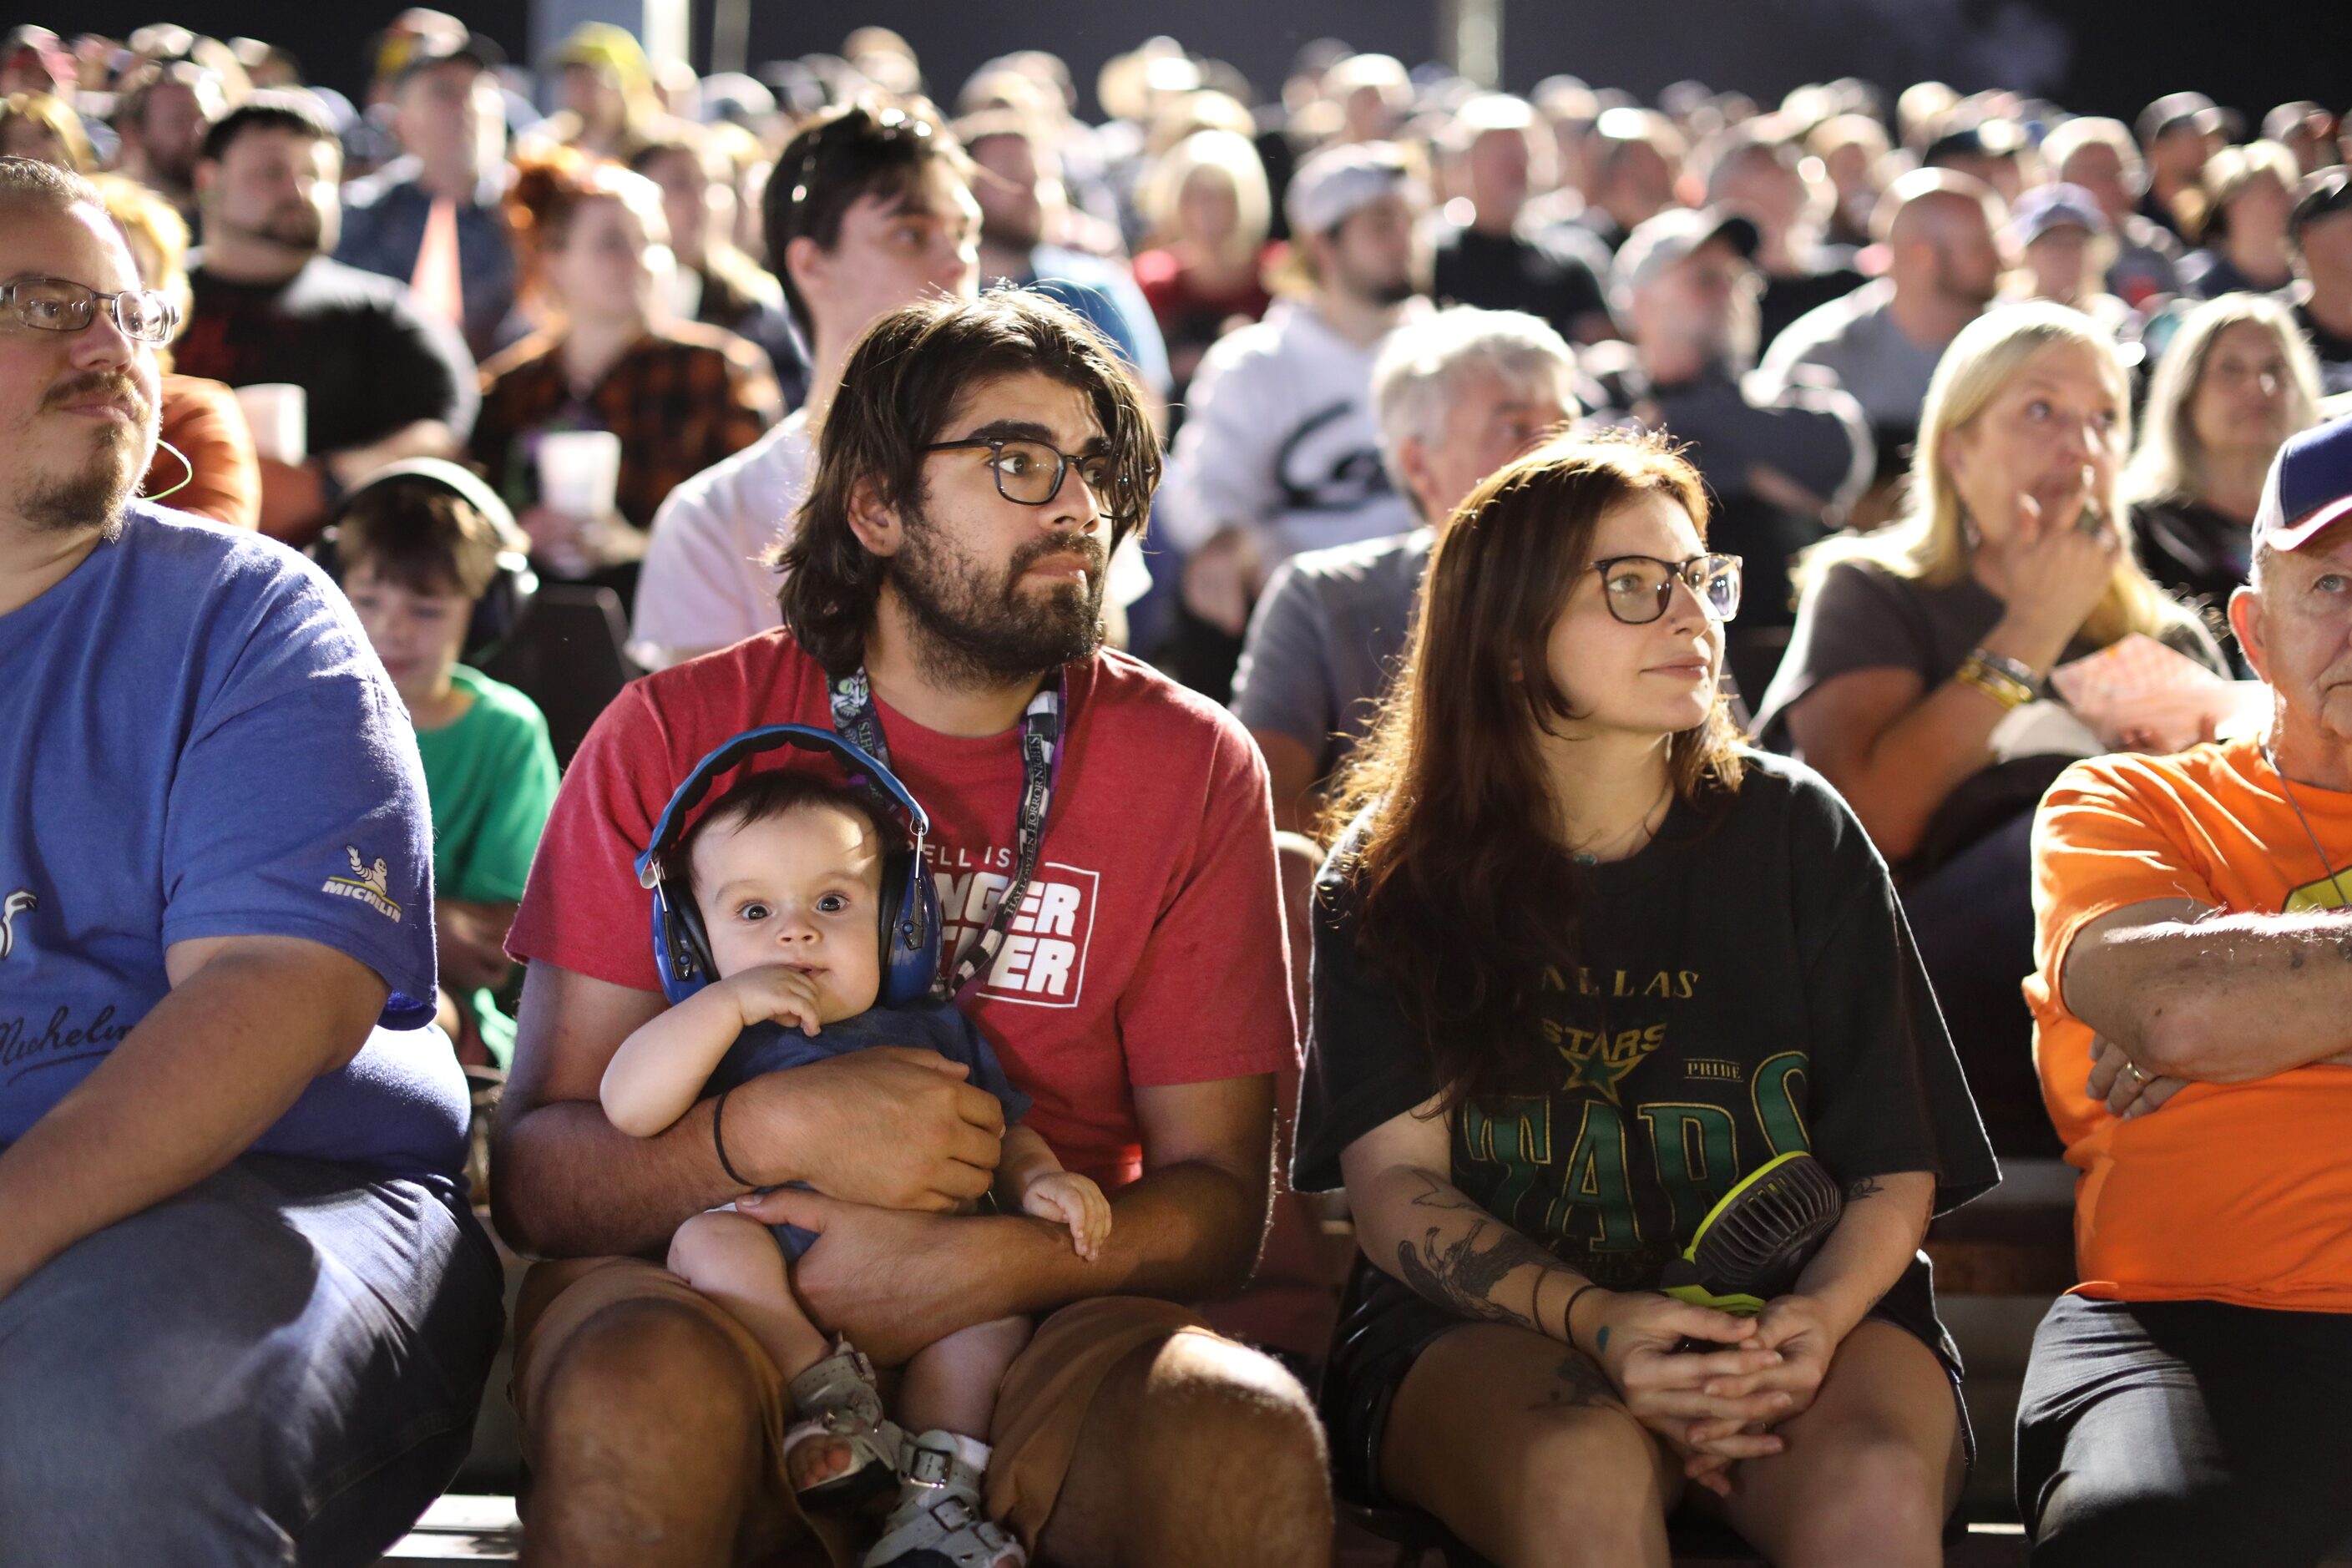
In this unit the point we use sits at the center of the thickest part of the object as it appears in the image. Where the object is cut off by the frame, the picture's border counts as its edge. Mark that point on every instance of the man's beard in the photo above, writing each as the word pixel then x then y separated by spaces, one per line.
pixel 975 629
pixel 295 225
pixel 98 490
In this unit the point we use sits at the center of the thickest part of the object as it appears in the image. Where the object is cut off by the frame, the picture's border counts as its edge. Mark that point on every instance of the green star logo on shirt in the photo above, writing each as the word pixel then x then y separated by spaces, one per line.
pixel 1600 1063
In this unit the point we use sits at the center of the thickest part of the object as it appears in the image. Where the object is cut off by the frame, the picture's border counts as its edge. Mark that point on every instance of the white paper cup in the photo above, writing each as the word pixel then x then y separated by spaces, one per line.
pixel 280 413
pixel 579 471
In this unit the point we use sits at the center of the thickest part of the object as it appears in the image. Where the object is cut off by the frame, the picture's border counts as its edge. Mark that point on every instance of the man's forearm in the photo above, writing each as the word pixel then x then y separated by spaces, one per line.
pixel 1187 1232
pixel 566 1183
pixel 204 1074
pixel 2227 999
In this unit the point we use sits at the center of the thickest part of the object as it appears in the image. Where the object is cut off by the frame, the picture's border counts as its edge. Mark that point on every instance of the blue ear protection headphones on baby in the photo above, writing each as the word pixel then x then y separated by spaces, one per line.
pixel 911 903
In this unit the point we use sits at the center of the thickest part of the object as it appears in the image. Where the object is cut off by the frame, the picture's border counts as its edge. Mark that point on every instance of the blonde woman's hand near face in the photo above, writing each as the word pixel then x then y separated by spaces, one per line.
pixel 2060 556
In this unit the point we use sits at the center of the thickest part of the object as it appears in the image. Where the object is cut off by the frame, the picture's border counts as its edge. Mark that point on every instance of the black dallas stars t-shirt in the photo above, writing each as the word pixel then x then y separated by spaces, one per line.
pixel 1742 988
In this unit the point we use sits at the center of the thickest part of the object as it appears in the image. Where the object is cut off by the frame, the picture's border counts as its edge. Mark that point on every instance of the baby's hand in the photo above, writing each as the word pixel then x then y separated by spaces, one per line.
pixel 776 992
pixel 1078 1203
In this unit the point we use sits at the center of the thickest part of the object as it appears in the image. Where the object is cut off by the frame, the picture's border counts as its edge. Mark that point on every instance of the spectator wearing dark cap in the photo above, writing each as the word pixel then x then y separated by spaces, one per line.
pixel 2098 155
pixel 2320 228
pixel 1767 180
pixel 2062 246
pixel 2249 193
pixel 2177 133
pixel 1781 458
pixel 1503 154
pixel 450 122
pixel 381 380
pixel 2304 129
pixel 1992 150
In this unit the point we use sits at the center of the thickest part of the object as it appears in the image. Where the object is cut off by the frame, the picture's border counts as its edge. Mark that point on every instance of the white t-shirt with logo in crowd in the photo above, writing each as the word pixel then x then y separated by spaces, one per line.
pixel 1280 440
pixel 704 583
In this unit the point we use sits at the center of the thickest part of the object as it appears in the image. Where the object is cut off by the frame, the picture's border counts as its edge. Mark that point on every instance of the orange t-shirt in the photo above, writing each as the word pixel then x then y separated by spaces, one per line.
pixel 2238 1193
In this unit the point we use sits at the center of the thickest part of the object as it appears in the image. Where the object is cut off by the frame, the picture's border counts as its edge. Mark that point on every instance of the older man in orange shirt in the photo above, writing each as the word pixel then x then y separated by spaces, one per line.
pixel 2184 1404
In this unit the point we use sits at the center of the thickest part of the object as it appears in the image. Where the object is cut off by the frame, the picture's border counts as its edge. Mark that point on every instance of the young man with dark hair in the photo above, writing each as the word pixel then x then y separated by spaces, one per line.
pixel 246 1314
pixel 2319 230
pixel 381 380
pixel 869 208
pixel 1103 849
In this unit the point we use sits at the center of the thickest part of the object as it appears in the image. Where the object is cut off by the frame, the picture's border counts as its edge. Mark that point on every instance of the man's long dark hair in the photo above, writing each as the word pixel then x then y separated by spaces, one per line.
pixel 902 382
pixel 1467 892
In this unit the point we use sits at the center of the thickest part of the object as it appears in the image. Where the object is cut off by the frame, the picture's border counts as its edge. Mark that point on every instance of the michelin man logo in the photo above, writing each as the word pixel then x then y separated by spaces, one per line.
pixel 371 885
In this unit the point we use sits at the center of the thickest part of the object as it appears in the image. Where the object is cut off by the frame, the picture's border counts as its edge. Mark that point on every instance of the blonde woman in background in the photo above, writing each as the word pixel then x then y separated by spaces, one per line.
pixel 44 128
pixel 1913 644
pixel 202 421
pixel 2236 381
pixel 1209 211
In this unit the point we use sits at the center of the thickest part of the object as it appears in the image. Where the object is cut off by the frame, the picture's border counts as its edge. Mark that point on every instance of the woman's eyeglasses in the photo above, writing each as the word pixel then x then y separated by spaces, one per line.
pixel 1638 587
pixel 60 305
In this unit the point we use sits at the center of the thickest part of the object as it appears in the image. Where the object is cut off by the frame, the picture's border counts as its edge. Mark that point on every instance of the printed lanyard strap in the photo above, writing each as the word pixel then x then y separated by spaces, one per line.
pixel 851 698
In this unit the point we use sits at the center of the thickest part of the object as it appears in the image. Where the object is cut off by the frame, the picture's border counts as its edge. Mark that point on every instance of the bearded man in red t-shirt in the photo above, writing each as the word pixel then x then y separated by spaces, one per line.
pixel 976 470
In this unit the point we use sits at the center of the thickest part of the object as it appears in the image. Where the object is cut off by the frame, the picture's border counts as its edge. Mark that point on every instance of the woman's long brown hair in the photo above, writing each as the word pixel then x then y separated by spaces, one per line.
pixel 1467 892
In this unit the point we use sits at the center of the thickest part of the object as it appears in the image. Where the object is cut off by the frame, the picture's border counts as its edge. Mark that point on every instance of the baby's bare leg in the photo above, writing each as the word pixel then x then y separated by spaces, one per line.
pixel 733 1260
pixel 950 1386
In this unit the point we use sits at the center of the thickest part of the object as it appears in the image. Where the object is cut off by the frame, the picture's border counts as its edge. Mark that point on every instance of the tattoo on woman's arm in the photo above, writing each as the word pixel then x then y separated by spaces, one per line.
pixel 1464 1273
pixel 1867 1187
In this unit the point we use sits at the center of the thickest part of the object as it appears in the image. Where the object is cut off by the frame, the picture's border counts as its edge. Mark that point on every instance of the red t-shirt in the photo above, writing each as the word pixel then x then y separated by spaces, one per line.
pixel 1150 949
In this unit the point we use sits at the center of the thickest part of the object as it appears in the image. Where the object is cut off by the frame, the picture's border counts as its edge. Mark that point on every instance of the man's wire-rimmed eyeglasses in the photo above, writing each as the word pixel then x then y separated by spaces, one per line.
pixel 61 305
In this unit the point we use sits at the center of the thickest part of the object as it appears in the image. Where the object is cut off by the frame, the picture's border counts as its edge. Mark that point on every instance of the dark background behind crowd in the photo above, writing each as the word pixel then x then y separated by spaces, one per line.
pixel 2099 56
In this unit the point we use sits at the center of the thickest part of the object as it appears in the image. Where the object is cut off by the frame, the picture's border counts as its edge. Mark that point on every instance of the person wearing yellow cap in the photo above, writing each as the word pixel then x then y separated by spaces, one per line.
pixel 609 107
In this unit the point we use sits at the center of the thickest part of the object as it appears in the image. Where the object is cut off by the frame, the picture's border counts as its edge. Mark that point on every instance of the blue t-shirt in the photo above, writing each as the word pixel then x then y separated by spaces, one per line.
pixel 928 1027
pixel 200 744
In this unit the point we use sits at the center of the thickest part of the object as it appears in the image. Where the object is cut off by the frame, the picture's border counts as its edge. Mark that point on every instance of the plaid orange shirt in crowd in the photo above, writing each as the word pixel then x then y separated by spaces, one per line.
pixel 681 399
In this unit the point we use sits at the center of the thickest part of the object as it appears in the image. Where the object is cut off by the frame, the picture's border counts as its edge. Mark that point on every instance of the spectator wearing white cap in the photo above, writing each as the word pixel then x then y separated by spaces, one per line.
pixel 2249 196
pixel 1784 460
pixel 2061 244
pixel 1280 451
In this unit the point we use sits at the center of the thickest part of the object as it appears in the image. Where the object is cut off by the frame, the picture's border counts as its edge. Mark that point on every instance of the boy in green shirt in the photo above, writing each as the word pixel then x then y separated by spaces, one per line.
pixel 417 547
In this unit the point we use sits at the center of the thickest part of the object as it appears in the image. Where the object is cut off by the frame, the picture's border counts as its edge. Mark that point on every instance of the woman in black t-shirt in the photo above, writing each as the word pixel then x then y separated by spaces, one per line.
pixel 1581 963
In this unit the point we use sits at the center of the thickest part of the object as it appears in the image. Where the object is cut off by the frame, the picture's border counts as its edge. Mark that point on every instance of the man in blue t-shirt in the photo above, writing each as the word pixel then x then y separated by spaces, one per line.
pixel 245 1311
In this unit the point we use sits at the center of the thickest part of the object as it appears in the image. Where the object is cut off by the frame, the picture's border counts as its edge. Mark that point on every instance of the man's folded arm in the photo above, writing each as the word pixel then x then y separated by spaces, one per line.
pixel 2192 993
pixel 248 1022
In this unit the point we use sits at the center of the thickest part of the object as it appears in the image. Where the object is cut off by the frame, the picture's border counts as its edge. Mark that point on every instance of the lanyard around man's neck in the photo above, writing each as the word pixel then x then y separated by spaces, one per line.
pixel 855 720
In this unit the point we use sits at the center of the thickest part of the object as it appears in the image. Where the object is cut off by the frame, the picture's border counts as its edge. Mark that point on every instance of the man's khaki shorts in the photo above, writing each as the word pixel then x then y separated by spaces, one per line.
pixel 1039 1409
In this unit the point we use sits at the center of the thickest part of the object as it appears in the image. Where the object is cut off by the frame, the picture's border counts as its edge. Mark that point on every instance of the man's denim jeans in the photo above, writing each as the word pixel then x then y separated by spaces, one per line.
pixel 280 1365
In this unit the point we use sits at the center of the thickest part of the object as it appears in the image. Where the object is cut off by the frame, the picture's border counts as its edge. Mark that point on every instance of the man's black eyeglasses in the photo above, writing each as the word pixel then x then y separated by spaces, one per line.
pixel 1637 587
pixel 61 305
pixel 1030 472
